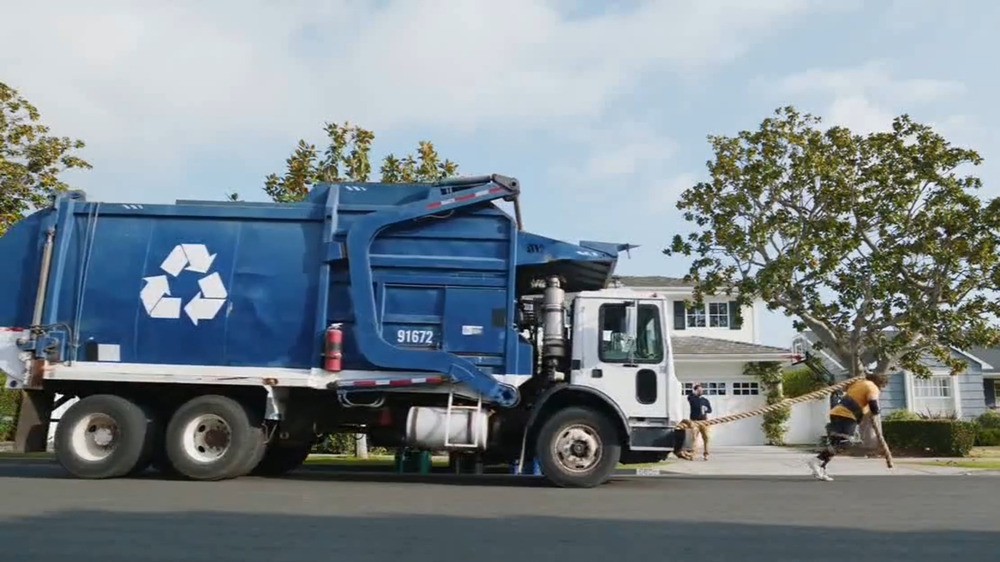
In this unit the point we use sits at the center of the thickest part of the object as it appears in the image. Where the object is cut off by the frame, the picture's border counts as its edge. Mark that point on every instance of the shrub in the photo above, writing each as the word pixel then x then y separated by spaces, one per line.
pixel 988 437
pixel 989 420
pixel 900 415
pixel 10 403
pixel 799 381
pixel 942 438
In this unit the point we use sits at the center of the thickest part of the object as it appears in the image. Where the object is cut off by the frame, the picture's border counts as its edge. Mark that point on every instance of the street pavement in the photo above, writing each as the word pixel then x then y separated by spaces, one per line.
pixel 316 514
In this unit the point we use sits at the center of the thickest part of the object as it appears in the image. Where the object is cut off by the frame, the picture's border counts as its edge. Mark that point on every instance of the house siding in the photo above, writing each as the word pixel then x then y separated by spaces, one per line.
pixel 893 396
pixel 970 385
pixel 971 391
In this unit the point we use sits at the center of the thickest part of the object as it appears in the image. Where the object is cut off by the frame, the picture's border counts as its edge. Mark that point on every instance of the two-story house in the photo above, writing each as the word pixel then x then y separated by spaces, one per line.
pixel 711 344
pixel 964 396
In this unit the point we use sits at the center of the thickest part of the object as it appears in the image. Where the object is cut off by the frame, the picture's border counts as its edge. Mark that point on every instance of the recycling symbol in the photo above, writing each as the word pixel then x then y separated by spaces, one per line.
pixel 205 305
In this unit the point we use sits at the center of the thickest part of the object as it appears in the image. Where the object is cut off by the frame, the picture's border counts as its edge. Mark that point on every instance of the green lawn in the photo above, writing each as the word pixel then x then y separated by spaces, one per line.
pixel 980 458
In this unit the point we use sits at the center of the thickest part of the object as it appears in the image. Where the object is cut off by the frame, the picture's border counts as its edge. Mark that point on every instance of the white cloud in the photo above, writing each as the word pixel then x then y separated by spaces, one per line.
pixel 159 82
pixel 867 97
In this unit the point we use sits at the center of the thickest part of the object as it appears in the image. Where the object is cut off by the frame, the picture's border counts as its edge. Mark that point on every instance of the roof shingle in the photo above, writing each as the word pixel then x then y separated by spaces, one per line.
pixel 652 281
pixel 699 345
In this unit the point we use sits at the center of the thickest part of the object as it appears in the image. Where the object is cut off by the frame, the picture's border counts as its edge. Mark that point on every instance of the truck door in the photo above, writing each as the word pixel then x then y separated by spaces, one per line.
pixel 625 357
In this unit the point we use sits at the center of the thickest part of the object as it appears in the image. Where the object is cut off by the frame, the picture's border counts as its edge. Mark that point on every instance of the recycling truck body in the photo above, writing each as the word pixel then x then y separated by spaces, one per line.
pixel 217 339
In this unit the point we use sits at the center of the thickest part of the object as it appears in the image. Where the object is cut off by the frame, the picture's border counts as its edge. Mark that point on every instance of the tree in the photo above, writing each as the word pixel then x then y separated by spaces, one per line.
pixel 347 159
pixel 874 242
pixel 30 159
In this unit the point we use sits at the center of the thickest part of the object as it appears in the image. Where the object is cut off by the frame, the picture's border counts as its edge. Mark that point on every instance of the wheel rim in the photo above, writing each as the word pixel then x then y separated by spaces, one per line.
pixel 577 448
pixel 95 437
pixel 206 438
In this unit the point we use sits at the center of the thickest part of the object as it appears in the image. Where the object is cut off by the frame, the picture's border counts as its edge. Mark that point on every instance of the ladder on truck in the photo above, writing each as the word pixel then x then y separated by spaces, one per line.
pixel 442 196
pixel 450 410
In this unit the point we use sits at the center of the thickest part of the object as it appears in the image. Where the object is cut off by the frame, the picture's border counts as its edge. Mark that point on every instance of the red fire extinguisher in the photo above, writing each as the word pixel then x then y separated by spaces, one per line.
pixel 333 348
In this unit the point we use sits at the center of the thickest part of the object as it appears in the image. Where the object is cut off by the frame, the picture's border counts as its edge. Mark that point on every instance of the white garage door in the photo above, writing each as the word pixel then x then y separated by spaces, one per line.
pixel 731 396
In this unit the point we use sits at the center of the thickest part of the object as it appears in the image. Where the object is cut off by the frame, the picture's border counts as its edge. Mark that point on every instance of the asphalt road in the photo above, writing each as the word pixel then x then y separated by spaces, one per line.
pixel 357 518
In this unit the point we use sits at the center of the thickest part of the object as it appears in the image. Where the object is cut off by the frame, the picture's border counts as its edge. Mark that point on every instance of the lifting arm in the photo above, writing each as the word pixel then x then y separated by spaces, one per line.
pixel 443 196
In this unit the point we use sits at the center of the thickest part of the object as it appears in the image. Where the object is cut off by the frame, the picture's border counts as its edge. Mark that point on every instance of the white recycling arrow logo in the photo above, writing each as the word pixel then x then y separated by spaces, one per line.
pixel 160 303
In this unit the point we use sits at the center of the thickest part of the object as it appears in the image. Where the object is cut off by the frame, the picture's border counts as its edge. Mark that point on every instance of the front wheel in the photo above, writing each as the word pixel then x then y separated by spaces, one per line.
pixel 578 448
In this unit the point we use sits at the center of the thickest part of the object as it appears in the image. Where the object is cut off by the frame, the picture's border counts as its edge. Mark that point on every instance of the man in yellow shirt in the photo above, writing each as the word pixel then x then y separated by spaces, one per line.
pixel 860 399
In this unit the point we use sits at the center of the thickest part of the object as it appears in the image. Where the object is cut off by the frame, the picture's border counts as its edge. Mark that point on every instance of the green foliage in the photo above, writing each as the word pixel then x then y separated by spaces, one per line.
pixel 799 381
pixel 901 415
pixel 347 159
pixel 344 444
pixel 989 420
pixel 10 406
pixel 30 159
pixel 988 434
pixel 988 437
pixel 874 242
pixel 769 375
pixel 938 437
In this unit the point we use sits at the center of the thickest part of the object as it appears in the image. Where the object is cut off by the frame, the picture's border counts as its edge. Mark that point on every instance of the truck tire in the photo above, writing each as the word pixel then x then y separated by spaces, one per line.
pixel 213 437
pixel 578 448
pixel 104 436
pixel 281 459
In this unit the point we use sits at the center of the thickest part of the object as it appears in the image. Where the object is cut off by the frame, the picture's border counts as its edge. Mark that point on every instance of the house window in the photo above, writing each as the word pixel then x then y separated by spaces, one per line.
pixel 708 388
pixel 746 389
pixel 933 387
pixel 616 343
pixel 718 314
pixel 696 317
pixel 711 315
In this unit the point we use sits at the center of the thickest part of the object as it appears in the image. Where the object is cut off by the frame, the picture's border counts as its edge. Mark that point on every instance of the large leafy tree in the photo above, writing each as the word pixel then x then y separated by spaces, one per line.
pixel 30 158
pixel 878 243
pixel 347 158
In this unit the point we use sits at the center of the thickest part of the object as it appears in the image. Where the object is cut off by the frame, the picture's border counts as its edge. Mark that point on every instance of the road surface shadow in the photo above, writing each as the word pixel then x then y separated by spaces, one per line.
pixel 221 537
pixel 46 469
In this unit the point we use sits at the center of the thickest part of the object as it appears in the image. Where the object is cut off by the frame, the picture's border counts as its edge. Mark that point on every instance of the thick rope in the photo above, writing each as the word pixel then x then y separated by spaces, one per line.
pixel 693 424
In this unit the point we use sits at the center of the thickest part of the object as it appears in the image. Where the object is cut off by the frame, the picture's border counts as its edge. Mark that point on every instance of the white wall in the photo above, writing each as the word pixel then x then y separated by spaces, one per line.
pixel 807 422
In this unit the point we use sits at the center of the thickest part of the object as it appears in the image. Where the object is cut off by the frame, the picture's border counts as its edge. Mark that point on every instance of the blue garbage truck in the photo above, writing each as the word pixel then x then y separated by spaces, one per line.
pixel 218 339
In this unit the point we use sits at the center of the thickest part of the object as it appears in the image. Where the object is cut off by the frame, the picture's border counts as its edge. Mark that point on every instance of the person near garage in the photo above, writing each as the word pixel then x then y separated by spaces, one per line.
pixel 700 408
pixel 859 400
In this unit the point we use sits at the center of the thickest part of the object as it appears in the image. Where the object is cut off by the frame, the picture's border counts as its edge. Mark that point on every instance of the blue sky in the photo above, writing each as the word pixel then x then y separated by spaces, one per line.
pixel 600 109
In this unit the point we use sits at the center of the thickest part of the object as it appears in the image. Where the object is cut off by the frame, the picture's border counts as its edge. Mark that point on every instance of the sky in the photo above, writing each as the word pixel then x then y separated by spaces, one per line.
pixel 600 109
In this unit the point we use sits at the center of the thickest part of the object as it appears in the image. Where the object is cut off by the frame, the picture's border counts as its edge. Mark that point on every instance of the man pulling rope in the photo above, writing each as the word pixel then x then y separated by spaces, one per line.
pixel 861 399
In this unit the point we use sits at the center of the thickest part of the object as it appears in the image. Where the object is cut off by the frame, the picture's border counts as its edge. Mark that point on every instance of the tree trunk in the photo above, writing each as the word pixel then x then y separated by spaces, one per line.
pixel 362 445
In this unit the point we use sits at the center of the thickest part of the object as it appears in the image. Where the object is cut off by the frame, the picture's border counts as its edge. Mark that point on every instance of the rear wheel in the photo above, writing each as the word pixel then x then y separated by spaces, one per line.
pixel 578 448
pixel 213 438
pixel 104 436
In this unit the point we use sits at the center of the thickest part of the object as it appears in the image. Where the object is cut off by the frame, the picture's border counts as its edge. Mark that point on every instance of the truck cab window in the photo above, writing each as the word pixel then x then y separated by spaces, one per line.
pixel 614 331
pixel 614 338
pixel 649 340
